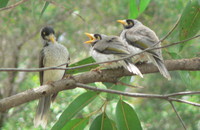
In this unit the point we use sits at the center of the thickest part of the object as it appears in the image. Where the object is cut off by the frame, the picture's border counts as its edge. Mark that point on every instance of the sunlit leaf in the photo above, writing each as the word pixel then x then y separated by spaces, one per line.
pixel 126 117
pixel 44 8
pixel 82 62
pixel 77 105
pixel 190 20
pixel 3 3
pixel 76 124
pixel 102 122
pixel 136 7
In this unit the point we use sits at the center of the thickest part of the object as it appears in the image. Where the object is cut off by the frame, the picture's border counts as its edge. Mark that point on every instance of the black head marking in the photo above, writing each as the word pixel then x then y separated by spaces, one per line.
pixel 130 23
pixel 97 36
pixel 46 31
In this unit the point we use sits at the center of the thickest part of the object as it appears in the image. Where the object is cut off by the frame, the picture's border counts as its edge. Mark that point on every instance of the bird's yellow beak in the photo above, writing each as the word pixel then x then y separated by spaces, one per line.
pixel 92 38
pixel 52 38
pixel 122 22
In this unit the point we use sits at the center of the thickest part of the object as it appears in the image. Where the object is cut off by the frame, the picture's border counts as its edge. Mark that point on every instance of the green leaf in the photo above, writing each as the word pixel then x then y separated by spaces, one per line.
pixel 137 7
pixel 3 3
pixel 44 8
pixel 126 117
pixel 77 105
pixel 76 124
pixel 190 20
pixel 102 122
pixel 82 62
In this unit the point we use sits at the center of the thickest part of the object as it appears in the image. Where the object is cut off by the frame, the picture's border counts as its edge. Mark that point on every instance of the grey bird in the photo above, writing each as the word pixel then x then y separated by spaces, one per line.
pixel 107 48
pixel 139 36
pixel 52 54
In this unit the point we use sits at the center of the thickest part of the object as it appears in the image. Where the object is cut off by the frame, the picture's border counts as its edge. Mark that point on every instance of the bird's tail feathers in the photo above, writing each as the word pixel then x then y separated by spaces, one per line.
pixel 161 67
pixel 42 112
pixel 132 68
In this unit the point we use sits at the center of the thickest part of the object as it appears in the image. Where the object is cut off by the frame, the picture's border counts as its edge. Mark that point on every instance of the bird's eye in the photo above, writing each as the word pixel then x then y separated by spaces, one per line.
pixel 44 33
pixel 97 36
pixel 130 22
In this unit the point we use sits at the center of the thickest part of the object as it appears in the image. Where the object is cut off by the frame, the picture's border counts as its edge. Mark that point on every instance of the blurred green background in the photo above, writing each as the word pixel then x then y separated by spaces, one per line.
pixel 20 44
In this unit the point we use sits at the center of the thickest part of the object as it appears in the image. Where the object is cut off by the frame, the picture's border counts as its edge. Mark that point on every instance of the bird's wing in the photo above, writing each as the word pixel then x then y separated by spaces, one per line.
pixel 41 65
pixel 142 37
pixel 111 46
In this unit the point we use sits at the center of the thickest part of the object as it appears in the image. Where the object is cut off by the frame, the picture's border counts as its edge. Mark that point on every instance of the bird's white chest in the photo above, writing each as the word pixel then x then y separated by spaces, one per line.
pixel 99 57
pixel 54 55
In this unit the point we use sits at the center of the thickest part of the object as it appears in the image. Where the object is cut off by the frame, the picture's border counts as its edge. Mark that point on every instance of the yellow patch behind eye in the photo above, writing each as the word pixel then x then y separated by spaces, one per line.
pixel 98 38
pixel 44 33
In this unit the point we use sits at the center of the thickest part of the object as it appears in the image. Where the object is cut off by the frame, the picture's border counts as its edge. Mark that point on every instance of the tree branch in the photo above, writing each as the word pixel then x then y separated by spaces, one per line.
pixel 110 75
pixel 179 117
pixel 14 5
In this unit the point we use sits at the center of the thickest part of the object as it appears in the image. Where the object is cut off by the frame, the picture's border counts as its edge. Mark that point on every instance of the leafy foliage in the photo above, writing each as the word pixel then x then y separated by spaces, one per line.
pixel 136 7
pixel 82 110
pixel 77 105
pixel 102 122
pixel 189 22
pixel 126 117
pixel 3 3
pixel 44 8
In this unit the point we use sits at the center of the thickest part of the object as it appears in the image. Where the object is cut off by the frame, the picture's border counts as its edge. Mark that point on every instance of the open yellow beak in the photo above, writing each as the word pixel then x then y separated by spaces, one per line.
pixel 52 38
pixel 92 38
pixel 122 22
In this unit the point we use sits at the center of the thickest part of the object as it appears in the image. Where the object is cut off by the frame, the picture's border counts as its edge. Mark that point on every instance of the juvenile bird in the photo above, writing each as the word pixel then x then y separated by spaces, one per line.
pixel 52 54
pixel 139 36
pixel 107 48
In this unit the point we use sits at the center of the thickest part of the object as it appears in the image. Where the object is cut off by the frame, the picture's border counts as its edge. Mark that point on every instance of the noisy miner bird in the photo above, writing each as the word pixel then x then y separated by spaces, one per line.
pixel 52 54
pixel 107 48
pixel 141 37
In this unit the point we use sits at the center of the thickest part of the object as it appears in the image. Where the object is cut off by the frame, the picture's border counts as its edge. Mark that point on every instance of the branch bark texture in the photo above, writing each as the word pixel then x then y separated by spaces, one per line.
pixel 110 75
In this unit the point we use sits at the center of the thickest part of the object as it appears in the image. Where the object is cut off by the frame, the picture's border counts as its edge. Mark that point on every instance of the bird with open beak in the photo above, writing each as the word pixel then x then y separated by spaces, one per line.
pixel 52 54
pixel 139 36
pixel 107 48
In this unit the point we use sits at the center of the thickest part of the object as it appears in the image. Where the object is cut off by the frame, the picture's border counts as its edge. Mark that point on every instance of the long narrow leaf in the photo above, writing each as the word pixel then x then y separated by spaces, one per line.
pixel 102 122
pixel 136 7
pixel 44 8
pixel 190 20
pixel 82 62
pixel 126 117
pixel 77 105
pixel 76 124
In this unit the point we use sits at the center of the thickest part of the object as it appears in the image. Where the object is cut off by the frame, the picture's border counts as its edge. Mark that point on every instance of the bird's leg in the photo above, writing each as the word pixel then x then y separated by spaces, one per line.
pixel 49 82
pixel 97 69
pixel 68 76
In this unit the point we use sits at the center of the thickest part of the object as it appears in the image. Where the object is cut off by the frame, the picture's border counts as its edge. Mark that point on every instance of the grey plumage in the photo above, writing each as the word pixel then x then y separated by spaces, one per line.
pixel 110 48
pixel 141 37
pixel 52 54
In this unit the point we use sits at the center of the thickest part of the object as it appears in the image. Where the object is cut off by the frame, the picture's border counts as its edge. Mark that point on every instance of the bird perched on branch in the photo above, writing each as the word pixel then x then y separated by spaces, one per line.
pixel 52 54
pixel 139 36
pixel 107 48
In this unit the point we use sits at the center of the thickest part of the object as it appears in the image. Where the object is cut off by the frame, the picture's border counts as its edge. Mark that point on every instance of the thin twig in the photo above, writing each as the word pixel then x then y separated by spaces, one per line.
pixel 183 93
pixel 184 101
pixel 138 95
pixel 169 33
pixel 179 117
pixel 14 5
pixel 69 10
